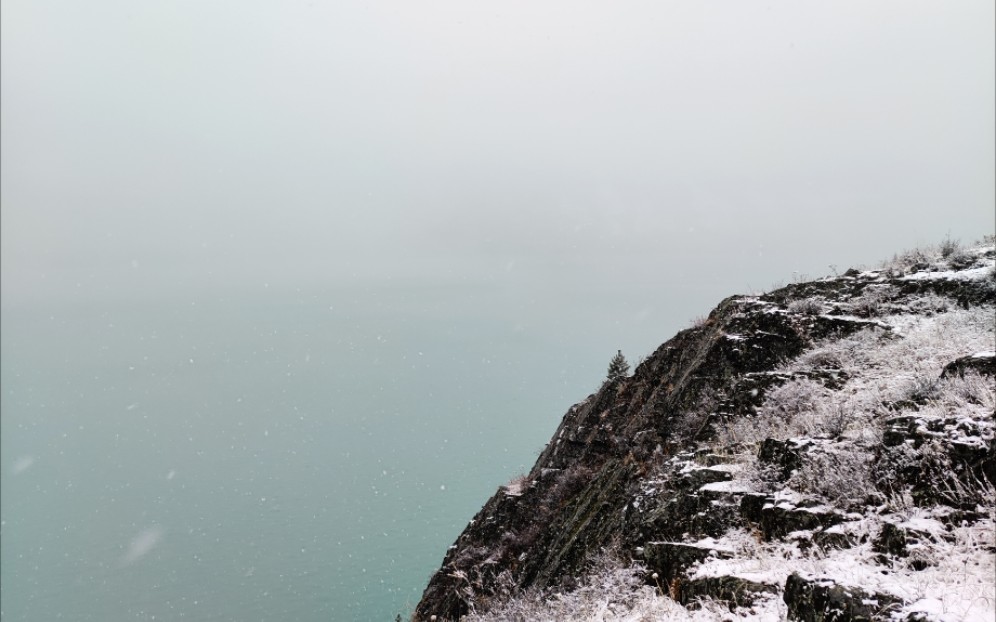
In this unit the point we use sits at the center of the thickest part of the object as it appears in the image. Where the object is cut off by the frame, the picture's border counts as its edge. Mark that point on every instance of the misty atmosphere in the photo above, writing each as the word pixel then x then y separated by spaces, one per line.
pixel 289 289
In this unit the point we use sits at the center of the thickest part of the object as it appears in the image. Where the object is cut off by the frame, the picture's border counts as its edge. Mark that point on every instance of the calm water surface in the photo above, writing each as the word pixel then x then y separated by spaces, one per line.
pixel 284 457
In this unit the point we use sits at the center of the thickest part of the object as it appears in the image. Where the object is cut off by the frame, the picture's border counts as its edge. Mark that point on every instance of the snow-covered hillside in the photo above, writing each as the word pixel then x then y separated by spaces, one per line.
pixel 822 452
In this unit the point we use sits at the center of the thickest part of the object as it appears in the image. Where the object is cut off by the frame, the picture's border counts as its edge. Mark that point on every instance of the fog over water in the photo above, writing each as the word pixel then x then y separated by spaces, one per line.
pixel 288 289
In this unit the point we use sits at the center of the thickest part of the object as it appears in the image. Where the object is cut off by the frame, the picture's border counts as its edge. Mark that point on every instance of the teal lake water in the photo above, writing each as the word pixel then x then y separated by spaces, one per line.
pixel 294 456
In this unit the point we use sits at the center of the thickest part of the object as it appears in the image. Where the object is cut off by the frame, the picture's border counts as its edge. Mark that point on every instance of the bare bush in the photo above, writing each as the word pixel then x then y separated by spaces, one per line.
pixel 610 586
pixel 569 482
pixel 835 418
pixel 940 479
pixel 872 301
pixel 969 389
pixel 700 321
pixel 841 475
pixel 950 251
pixel 792 398
pixel 822 359
pixel 690 424
pixel 913 259
pixel 930 475
pixel 920 389
pixel 806 306
pixel 930 304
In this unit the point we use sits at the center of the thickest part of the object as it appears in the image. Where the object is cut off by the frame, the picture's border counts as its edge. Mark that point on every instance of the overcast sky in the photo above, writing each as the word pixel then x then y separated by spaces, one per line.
pixel 155 149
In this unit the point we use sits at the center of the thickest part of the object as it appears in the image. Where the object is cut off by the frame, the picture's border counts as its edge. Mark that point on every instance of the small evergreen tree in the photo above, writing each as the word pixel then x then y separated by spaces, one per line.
pixel 618 367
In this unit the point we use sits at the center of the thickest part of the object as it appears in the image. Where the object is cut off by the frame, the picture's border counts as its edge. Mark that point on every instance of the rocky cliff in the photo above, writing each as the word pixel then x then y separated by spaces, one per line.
pixel 821 452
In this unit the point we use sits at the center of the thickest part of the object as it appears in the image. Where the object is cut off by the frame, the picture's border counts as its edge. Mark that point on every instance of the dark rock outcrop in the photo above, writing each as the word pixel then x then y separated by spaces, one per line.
pixel 784 456
pixel 981 363
pixel 668 561
pixel 823 600
pixel 735 591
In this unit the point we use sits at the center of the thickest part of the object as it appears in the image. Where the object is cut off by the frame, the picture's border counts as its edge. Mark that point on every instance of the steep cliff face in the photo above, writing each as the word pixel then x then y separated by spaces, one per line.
pixel 725 430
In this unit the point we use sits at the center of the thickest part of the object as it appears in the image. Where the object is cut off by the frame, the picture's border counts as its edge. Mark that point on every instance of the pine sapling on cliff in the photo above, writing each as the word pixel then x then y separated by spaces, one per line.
pixel 618 367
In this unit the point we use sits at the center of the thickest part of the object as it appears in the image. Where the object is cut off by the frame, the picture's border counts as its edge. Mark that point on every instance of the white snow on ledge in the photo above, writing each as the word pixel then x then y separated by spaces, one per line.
pixel 733 487
pixel 973 274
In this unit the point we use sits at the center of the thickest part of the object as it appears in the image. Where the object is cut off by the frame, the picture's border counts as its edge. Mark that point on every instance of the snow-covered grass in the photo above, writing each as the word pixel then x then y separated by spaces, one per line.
pixel 883 362
pixel 956 584
pixel 949 574
pixel 885 366
pixel 894 370
pixel 617 592
pixel 949 255
pixel 959 587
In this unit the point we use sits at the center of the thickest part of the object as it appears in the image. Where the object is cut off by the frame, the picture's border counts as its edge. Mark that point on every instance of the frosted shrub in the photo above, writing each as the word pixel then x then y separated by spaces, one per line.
pixel 789 400
pixel 748 432
pixel 949 251
pixel 833 419
pixel 914 259
pixel 908 359
pixel 700 321
pixel 960 580
pixel 956 255
pixel 847 353
pixel 961 259
pixel 800 408
pixel 821 359
pixel 797 408
pixel 969 398
pixel 949 246
pixel 806 306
